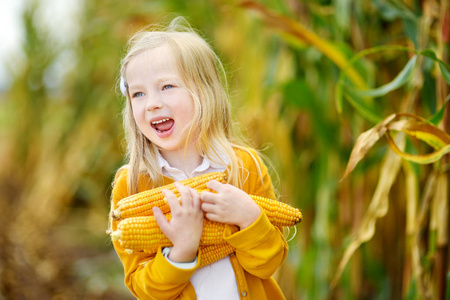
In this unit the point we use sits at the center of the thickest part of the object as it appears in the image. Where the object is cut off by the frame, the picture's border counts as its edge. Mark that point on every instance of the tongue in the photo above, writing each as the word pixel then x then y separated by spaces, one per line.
pixel 164 125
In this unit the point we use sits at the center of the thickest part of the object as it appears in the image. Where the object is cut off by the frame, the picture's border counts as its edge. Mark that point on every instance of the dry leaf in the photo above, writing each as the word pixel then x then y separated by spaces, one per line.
pixel 378 208
pixel 364 142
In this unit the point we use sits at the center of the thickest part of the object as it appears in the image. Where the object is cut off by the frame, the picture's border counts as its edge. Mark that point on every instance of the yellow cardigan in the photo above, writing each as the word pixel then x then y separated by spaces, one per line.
pixel 260 249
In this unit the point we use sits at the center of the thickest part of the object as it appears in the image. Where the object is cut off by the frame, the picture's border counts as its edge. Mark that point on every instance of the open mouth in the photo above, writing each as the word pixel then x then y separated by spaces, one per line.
pixel 163 125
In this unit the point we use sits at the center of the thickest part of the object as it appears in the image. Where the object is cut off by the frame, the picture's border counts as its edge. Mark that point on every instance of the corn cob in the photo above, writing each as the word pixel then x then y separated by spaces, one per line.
pixel 279 213
pixel 138 230
pixel 141 204
pixel 208 253
pixel 213 253
pixel 138 233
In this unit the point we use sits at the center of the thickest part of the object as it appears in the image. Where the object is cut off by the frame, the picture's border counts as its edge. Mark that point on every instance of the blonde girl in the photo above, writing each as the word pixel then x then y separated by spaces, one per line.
pixel 178 125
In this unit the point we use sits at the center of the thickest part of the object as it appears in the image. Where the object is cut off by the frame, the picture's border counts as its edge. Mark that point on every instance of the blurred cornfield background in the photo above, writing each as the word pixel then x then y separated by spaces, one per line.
pixel 307 78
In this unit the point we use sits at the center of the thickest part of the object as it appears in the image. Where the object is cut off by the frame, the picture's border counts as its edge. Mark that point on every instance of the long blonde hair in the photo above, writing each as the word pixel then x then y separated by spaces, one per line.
pixel 205 78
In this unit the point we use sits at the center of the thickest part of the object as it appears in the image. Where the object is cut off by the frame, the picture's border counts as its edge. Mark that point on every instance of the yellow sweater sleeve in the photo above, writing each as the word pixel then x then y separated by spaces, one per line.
pixel 261 247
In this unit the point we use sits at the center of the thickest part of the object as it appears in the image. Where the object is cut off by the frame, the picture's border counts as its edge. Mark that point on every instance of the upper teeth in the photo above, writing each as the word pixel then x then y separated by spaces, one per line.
pixel 160 121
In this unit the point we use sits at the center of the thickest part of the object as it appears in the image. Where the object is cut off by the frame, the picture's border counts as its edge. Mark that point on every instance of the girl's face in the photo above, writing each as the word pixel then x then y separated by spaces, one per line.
pixel 162 106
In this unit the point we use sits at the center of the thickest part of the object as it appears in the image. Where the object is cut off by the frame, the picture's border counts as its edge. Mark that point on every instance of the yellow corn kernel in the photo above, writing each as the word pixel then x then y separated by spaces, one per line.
pixel 208 253
pixel 138 233
pixel 279 213
pixel 141 204
pixel 213 253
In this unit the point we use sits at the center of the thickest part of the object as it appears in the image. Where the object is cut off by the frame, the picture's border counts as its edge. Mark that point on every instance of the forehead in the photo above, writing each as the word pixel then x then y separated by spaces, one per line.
pixel 155 61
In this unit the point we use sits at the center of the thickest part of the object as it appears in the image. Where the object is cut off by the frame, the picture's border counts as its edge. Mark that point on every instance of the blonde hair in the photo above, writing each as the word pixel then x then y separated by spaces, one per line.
pixel 205 79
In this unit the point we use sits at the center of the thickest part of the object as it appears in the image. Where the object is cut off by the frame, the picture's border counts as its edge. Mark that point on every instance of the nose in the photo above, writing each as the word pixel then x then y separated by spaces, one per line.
pixel 153 103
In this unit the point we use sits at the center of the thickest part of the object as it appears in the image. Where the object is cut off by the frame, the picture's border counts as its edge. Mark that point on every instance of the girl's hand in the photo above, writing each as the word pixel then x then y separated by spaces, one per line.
pixel 185 228
pixel 229 205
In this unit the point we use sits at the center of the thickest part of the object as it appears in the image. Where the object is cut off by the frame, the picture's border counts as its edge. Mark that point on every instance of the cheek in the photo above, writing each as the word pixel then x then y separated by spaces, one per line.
pixel 192 106
pixel 137 112
pixel 140 122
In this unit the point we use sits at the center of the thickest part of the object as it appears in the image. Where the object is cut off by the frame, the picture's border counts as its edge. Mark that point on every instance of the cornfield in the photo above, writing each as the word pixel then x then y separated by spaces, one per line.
pixel 346 99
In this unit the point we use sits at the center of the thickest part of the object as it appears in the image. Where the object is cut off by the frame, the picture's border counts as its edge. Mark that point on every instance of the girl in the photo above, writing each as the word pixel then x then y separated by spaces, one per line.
pixel 178 125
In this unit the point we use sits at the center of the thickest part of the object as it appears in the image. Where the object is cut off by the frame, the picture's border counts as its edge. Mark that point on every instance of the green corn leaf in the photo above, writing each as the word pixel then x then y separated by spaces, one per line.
pixel 345 89
pixel 360 105
pixel 428 91
pixel 445 72
pixel 429 53
pixel 442 65
pixel 437 117
pixel 339 93
pixel 402 78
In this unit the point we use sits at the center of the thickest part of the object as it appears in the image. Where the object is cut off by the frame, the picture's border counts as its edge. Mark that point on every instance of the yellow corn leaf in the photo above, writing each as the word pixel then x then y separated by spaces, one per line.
pixel 422 217
pixel 378 208
pixel 298 31
pixel 424 131
pixel 417 127
pixel 421 129
pixel 412 200
pixel 439 213
pixel 420 159
pixel 412 224
pixel 364 142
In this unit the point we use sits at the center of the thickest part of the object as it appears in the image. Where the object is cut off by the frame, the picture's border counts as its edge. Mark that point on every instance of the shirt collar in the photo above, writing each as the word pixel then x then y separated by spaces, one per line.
pixel 206 165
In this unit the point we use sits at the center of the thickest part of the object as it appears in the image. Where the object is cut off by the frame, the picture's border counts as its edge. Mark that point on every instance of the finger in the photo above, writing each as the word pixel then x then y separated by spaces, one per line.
pixel 214 185
pixel 161 219
pixel 212 217
pixel 209 197
pixel 195 197
pixel 185 195
pixel 209 208
pixel 172 200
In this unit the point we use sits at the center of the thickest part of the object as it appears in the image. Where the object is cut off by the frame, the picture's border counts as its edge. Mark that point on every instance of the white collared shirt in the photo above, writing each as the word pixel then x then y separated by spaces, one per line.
pixel 217 280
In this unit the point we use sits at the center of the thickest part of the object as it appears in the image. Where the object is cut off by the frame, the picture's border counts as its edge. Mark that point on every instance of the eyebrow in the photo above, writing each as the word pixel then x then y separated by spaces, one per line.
pixel 168 78
pixel 134 86
pixel 163 79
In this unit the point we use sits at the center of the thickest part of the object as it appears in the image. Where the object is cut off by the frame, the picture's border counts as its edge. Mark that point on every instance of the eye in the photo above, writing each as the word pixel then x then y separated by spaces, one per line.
pixel 138 94
pixel 167 87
